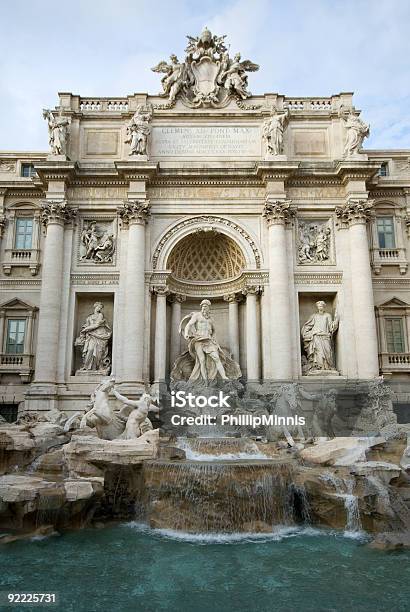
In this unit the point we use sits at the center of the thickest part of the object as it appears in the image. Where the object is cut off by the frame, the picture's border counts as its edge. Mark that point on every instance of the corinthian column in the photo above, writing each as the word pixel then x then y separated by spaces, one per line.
pixel 277 213
pixel 134 215
pixel 53 216
pixel 175 347
pixel 252 339
pixel 355 214
pixel 160 346
pixel 233 322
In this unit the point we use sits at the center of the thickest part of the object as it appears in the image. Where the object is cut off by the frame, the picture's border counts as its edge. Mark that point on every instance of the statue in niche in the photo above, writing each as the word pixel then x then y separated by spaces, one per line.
pixel 205 359
pixel 94 337
pixel 314 243
pixel 317 335
pixel 139 129
pixel 356 131
pixel 273 129
pixel 57 132
pixel 98 247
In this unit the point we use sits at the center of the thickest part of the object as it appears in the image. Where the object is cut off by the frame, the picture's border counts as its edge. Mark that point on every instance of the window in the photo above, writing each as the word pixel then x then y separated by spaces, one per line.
pixel 16 329
pixel 385 233
pixel 395 335
pixel 24 233
pixel 9 412
pixel 384 169
pixel 27 170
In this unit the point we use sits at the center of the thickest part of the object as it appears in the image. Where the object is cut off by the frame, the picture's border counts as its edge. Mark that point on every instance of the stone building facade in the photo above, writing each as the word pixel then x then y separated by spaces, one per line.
pixel 146 205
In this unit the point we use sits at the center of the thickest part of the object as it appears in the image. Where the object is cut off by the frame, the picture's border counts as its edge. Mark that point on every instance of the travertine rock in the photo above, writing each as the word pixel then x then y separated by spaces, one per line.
pixel 339 451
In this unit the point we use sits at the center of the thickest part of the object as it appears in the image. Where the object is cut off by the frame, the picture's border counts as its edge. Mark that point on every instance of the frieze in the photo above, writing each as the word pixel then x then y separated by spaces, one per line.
pixel 206 192
pixel 95 279
pixel 98 192
pixel 309 278
pixel 315 193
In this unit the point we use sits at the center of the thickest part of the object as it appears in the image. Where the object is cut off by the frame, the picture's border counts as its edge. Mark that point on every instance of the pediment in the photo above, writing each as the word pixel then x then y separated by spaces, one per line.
pixel 17 304
pixel 394 302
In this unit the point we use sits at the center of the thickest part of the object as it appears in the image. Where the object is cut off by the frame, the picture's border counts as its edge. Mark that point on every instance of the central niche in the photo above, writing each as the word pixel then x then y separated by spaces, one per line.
pixel 206 256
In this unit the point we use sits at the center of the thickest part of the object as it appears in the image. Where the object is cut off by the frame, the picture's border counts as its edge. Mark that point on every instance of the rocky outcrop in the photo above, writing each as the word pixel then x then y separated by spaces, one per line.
pixel 339 451
pixel 28 500
pixel 391 541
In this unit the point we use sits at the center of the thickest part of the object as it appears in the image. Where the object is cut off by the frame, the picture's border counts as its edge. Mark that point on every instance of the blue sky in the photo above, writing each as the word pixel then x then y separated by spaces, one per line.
pixel 304 47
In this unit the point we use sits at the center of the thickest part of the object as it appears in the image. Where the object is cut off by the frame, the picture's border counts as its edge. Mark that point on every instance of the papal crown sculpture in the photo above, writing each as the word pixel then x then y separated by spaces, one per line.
pixel 208 76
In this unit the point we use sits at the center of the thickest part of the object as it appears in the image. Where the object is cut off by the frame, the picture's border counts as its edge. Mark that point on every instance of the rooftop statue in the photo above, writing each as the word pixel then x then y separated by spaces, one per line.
pixel 207 76
pixel 57 132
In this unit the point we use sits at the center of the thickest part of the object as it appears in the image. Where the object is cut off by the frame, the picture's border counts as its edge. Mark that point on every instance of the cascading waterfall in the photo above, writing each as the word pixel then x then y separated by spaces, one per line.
pixel 225 497
pixel 344 488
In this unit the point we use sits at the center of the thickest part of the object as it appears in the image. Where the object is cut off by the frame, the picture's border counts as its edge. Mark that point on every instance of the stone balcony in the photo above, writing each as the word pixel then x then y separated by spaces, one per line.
pixel 394 362
pixel 28 258
pixel 21 364
pixel 389 257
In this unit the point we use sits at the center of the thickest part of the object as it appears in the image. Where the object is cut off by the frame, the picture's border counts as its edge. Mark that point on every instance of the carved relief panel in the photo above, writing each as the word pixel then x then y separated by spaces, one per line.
pixel 315 242
pixel 97 241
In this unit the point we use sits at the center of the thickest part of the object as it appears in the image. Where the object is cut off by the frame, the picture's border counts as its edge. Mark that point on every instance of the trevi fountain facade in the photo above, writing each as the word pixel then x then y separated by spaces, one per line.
pixel 206 238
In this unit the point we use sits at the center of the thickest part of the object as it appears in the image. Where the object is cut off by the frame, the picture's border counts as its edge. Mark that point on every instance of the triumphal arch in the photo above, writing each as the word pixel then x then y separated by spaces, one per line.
pixel 269 207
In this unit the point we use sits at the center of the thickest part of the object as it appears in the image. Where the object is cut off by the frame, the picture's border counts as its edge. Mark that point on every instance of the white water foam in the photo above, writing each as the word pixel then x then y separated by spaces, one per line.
pixel 193 455
pixel 278 533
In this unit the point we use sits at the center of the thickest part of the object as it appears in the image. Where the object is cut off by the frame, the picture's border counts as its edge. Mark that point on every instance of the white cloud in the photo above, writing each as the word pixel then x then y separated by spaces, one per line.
pixel 304 47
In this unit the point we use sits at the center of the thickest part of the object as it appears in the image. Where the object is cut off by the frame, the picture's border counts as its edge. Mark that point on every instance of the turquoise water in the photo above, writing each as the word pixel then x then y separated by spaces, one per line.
pixel 129 567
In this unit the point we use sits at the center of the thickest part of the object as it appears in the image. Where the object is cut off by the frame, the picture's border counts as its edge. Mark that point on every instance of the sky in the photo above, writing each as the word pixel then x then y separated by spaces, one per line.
pixel 107 47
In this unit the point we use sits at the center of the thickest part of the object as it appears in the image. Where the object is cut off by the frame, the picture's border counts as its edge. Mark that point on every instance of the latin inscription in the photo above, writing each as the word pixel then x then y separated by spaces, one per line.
pixel 206 141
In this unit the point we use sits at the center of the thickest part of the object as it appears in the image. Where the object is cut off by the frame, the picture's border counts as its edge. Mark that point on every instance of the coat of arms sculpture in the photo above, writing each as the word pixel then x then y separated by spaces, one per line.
pixel 208 76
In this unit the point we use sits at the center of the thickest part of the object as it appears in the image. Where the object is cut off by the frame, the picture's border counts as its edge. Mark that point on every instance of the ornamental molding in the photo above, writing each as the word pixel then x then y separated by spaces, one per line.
pixel 314 182
pixel 187 182
pixel 11 283
pixel 111 278
pixel 311 278
pixel 387 193
pixel 82 182
pixel 402 283
pixel 23 193
pixel 245 281
pixel 207 222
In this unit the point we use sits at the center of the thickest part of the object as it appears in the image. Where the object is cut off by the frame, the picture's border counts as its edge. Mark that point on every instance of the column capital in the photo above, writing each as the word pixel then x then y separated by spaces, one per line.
pixel 56 211
pixel 177 297
pixel 232 298
pixel 134 211
pixel 160 290
pixel 252 290
pixel 278 212
pixel 355 211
